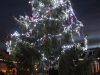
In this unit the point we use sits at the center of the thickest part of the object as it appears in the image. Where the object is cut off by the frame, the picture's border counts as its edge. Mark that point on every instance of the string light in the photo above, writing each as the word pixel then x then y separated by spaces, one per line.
pixel 41 13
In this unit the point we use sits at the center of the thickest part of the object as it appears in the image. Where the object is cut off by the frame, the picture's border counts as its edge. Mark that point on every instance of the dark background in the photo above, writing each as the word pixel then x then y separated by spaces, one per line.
pixel 87 11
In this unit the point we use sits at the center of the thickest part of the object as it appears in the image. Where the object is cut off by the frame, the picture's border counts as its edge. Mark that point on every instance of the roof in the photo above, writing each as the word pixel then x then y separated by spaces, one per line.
pixel 4 54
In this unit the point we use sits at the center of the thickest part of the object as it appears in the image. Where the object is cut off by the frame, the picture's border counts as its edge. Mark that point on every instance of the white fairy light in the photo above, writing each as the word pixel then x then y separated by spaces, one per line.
pixel 26 24
pixel 61 1
pixel 65 30
pixel 8 45
pixel 45 58
pixel 10 42
pixel 59 34
pixel 85 47
pixel 41 4
pixel 65 47
pixel 57 58
pixel 16 34
pixel 26 17
pixel 31 31
pixel 31 2
pixel 85 41
pixel 27 34
pixel 57 3
pixel 42 56
pixel 21 17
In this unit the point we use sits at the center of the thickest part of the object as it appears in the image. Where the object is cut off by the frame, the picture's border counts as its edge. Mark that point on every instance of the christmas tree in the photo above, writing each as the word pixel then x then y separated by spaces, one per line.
pixel 48 32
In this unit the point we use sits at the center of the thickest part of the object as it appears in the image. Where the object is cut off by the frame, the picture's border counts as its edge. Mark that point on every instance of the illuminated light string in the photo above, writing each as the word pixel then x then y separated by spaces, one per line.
pixel 36 19
pixel 69 18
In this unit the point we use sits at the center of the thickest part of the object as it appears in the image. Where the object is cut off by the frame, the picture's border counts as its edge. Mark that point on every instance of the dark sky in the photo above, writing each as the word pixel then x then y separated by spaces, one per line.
pixel 87 11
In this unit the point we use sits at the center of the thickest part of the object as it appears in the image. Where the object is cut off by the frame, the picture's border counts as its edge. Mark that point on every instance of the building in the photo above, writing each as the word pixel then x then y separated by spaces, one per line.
pixel 96 62
pixel 6 60
pixel 3 57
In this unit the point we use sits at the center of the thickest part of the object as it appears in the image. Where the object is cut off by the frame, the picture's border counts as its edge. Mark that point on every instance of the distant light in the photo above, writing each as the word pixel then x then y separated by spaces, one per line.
pixel 0 59
pixel 80 59
pixel 98 58
pixel 36 69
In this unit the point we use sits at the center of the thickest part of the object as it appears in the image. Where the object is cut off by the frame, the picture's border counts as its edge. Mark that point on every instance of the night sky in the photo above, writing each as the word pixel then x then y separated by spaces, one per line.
pixel 87 11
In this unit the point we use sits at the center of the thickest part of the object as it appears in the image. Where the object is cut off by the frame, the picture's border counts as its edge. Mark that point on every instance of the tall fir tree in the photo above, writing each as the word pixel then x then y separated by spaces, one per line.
pixel 49 32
